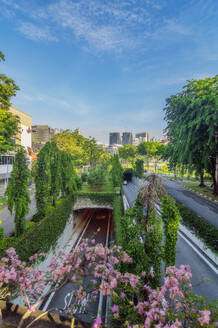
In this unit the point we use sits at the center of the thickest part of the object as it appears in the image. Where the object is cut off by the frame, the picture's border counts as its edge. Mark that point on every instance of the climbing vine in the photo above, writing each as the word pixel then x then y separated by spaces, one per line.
pixel 171 219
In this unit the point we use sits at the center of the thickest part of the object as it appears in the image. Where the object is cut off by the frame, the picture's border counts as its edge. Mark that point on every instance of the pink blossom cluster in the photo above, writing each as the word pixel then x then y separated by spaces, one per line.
pixel 163 307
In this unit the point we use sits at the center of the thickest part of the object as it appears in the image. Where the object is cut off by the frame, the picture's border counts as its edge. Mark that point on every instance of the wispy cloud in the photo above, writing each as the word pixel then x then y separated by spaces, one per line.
pixel 36 33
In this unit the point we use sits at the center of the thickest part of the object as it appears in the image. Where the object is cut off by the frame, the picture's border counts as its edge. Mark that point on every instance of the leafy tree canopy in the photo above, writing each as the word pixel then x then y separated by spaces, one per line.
pixel 192 121
pixel 8 122
pixel 83 150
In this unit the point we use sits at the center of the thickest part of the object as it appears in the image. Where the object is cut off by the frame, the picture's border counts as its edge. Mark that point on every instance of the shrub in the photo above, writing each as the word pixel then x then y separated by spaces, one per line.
pixel 203 229
pixel 43 235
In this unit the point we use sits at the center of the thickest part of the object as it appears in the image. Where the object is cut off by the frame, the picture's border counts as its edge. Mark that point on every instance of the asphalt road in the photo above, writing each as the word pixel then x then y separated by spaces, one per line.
pixel 62 299
pixel 8 219
pixel 204 279
pixel 199 205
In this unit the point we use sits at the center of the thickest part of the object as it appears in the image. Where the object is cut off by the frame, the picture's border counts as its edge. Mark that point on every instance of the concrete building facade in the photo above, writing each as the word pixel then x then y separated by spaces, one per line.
pixel 23 138
pixel 40 135
pixel 114 138
pixel 127 138
pixel 143 136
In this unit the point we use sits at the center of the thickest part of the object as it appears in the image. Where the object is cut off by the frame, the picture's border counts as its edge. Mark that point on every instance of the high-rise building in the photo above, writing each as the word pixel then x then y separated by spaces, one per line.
pixel 114 138
pixel 143 135
pixel 41 134
pixel 127 138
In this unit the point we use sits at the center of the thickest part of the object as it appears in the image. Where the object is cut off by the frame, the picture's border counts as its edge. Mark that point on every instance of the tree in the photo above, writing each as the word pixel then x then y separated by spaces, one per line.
pixel 116 171
pixel 42 177
pixel 8 122
pixel 139 168
pixel 192 121
pixel 83 150
pixel 55 171
pixel 147 149
pixel 97 176
pixel 171 219
pixel 127 153
pixel 17 192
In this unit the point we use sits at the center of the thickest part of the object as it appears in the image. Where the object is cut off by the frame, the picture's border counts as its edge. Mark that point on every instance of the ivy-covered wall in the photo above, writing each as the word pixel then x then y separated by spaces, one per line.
pixel 44 234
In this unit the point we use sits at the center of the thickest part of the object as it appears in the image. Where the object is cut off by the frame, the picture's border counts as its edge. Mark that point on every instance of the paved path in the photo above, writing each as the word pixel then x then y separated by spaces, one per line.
pixel 8 219
pixel 199 205
pixel 204 279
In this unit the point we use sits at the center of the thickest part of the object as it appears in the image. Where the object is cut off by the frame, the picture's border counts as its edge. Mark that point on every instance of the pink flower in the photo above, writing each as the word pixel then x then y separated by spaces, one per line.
pixel 97 323
pixel 122 295
pixel 115 308
pixel 205 317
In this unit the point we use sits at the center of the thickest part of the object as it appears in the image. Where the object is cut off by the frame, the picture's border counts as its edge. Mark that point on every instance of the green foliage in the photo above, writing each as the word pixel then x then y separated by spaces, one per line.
pixel 70 182
pixel 8 88
pixel 2 235
pixel 118 213
pixel 139 168
pixel 84 151
pixel 116 171
pixel 142 245
pixel 30 224
pixel 42 181
pixel 54 174
pixel 8 122
pixel 148 149
pixel 43 235
pixel 99 197
pixel 17 192
pixel 153 248
pixel 171 219
pixel 127 152
pixel 206 231
pixel 84 176
pixel 192 122
pixel 97 176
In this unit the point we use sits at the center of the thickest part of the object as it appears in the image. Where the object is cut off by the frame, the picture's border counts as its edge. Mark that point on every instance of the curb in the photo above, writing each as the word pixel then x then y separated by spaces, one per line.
pixel 202 195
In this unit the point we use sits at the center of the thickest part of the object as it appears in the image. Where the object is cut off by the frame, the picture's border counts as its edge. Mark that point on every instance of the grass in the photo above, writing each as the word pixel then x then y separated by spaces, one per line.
pixel 206 191
pixel 105 187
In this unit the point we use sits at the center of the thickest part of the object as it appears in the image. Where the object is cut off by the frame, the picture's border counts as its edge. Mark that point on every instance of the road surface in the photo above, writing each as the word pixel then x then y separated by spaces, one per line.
pixel 204 280
pixel 202 207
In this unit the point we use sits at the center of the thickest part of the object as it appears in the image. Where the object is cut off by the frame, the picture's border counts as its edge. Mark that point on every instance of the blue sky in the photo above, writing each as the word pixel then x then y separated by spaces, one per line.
pixel 105 65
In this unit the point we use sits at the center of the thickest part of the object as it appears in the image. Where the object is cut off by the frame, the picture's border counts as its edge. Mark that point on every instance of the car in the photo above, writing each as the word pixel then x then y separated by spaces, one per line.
pixel 124 182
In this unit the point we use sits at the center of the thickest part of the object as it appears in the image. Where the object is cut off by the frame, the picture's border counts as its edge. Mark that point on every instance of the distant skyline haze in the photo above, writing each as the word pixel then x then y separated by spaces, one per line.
pixel 105 66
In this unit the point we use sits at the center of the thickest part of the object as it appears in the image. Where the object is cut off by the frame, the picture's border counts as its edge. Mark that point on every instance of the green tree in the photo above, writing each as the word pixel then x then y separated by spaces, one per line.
pixel 68 174
pixel 55 172
pixel 139 168
pixel 8 122
pixel 148 149
pixel 116 171
pixel 42 177
pixel 17 194
pixel 171 219
pixel 192 121
pixel 97 176
pixel 128 153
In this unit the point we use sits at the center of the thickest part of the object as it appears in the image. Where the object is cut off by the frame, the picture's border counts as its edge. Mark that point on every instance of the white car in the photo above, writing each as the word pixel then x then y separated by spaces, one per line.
pixel 124 182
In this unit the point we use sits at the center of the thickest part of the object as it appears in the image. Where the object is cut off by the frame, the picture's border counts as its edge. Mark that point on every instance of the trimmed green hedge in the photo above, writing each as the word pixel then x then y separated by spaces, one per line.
pixel 118 213
pixel 99 197
pixel 43 234
pixel 207 232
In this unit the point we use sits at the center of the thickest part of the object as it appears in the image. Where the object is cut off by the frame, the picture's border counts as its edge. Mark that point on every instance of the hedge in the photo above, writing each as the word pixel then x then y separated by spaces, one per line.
pixel 99 197
pixel 118 213
pixel 206 231
pixel 43 235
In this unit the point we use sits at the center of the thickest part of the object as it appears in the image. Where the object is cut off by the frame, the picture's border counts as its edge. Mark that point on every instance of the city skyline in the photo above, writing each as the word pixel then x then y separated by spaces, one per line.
pixel 105 66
